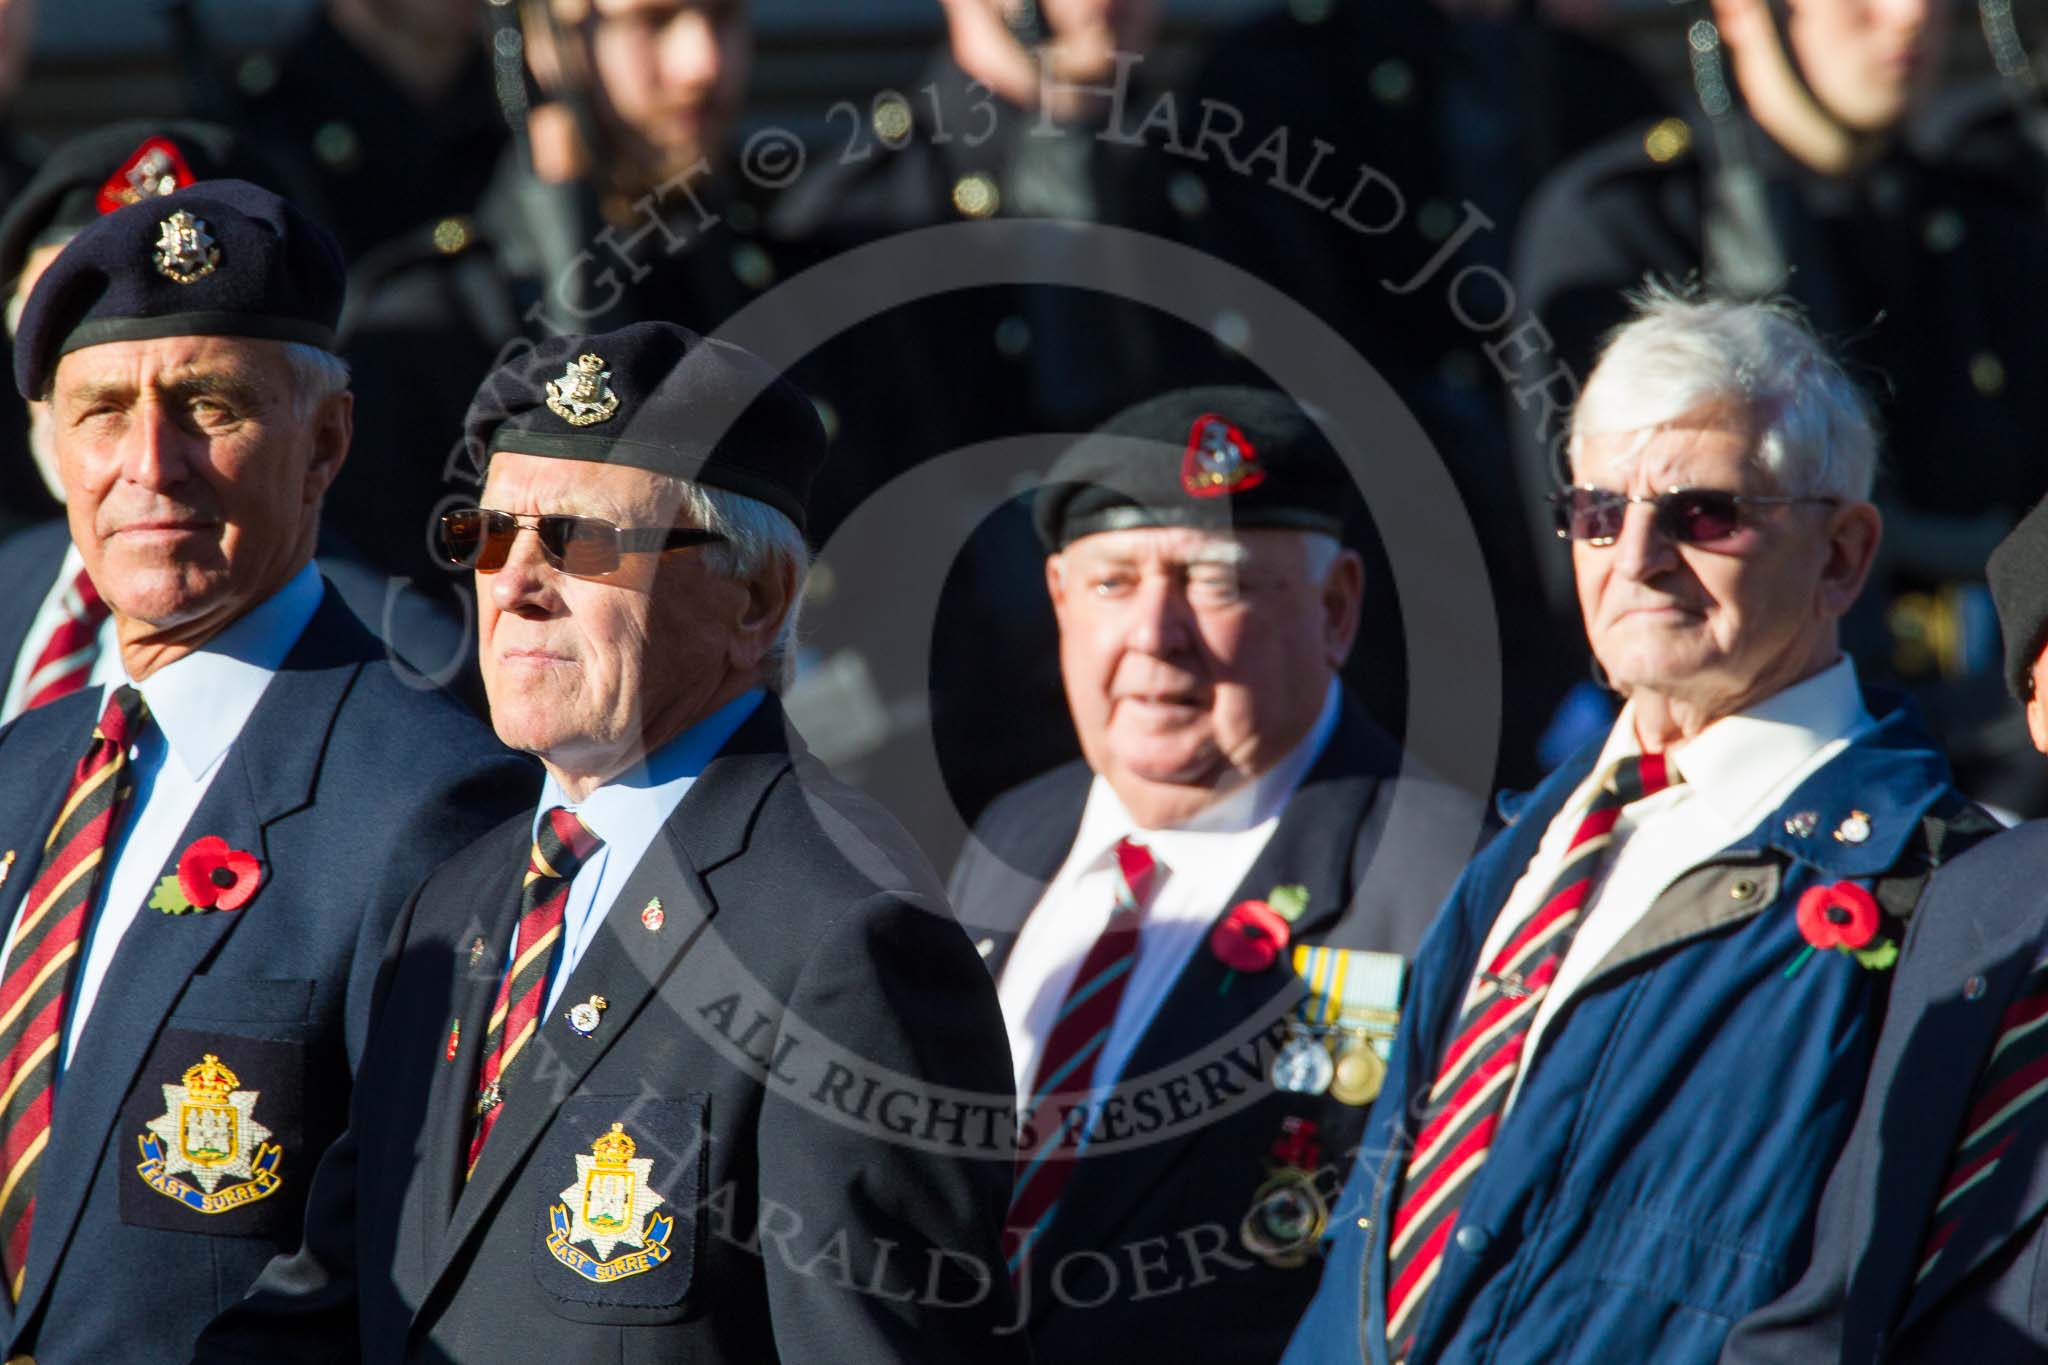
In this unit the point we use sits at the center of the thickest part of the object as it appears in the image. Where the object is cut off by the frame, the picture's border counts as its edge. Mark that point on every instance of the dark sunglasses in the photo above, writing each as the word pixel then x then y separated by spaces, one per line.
pixel 1685 516
pixel 588 547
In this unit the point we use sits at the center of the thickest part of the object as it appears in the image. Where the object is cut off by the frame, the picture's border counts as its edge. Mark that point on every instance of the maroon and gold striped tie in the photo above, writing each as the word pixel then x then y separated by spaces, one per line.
pixel 561 845
pixel 1478 1069
pixel 42 962
pixel 2013 1081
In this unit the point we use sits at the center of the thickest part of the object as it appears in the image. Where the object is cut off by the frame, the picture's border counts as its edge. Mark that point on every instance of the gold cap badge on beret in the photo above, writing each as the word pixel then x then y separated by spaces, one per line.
pixel 1219 460
pixel 581 397
pixel 185 250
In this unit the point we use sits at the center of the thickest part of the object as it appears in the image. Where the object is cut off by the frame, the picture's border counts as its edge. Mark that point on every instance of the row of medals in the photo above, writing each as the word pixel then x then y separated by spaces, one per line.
pixel 1288 1213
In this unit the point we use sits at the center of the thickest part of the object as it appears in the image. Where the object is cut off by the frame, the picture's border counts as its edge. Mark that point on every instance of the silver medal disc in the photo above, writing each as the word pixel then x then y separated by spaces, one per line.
pixel 1303 1066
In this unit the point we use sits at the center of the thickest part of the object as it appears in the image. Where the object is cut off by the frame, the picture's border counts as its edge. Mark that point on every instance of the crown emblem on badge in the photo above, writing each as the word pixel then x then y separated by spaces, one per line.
pixel 210 1082
pixel 185 250
pixel 581 397
pixel 1219 460
pixel 614 1150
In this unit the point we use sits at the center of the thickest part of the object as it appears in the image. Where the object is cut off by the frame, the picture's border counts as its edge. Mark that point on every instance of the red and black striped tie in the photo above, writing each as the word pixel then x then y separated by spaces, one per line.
pixel 1066 1066
pixel 560 847
pixel 66 658
pixel 1478 1069
pixel 42 962
pixel 2014 1080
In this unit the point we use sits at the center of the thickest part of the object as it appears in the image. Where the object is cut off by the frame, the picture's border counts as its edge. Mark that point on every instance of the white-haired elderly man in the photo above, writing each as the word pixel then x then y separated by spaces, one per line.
pixel 1637 1033
pixel 691 1062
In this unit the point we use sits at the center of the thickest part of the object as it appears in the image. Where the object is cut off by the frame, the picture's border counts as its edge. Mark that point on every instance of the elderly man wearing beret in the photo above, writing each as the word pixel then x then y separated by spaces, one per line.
pixel 1638 1030
pixel 1935 1221
pixel 691 1062
pixel 1198 937
pixel 200 858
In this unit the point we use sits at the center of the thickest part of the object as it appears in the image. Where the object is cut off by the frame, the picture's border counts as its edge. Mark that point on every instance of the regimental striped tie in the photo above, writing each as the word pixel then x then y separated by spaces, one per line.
pixel 560 846
pixel 66 658
pixel 42 962
pixel 1066 1065
pixel 1479 1067
pixel 2014 1079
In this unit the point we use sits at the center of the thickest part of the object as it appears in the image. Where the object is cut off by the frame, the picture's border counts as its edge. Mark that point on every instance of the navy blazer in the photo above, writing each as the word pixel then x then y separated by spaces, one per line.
pixel 348 786
pixel 1983 925
pixel 29 560
pixel 795 1036
pixel 1143 1260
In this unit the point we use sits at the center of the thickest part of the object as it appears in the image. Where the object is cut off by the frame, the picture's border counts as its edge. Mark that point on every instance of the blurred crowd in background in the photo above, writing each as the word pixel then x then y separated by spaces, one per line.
pixel 1461 191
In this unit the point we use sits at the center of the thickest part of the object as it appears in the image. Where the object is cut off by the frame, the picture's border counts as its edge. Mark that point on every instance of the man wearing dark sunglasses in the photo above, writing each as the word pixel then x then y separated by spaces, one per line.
pixel 1630 1047
pixel 691 1061
pixel 203 846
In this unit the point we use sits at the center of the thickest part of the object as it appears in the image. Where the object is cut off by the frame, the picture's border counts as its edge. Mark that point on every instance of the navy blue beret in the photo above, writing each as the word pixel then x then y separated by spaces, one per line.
pixel 223 258
pixel 1215 458
pixel 97 172
pixel 658 397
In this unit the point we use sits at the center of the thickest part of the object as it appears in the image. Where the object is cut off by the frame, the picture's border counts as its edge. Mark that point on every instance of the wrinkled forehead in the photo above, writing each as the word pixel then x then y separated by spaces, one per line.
pixel 1713 447
pixel 257 361
pixel 519 482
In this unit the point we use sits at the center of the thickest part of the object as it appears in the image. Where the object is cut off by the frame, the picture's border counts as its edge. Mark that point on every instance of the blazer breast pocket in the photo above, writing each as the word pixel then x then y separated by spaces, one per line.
pixel 617 1240
pixel 212 1136
pixel 272 1007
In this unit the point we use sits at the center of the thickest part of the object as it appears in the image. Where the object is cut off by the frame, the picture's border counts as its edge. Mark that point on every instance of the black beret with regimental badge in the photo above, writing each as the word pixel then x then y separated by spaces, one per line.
pixel 1213 458
pixel 223 258
pixel 108 168
pixel 2018 571
pixel 659 397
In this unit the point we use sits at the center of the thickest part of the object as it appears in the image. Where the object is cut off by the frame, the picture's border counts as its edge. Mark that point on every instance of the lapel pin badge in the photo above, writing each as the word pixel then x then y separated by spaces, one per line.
pixel 1855 829
pixel 6 865
pixel 454 1039
pixel 653 917
pixel 1802 824
pixel 584 1018
pixel 476 950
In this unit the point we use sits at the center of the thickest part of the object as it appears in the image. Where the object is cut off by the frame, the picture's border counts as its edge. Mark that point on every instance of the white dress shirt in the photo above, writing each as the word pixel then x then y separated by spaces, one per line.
pixel 628 813
pixel 197 707
pixel 1196 865
pixel 1736 771
pixel 105 668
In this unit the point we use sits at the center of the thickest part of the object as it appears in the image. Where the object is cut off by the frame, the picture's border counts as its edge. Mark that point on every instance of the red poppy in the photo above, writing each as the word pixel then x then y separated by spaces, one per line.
pixel 216 877
pixel 1843 915
pixel 1250 938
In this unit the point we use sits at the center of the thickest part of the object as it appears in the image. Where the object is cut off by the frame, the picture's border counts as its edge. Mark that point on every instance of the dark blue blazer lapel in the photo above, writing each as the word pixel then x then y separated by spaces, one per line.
pixel 29 561
pixel 1935 1083
pixel 1014 855
pixel 625 963
pixel 1203 1019
pixel 267 773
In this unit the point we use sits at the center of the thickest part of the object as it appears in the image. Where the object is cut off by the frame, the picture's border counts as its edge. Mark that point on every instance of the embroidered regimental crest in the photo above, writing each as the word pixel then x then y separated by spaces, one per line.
pixel 581 397
pixel 185 250
pixel 208 1131
pixel 611 1205
pixel 1219 460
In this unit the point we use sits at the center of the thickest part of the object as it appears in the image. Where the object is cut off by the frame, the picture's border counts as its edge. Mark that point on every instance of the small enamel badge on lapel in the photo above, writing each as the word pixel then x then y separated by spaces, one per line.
pixel 585 1018
pixel 454 1039
pixel 652 917
pixel 1802 824
pixel 1855 829
pixel 476 950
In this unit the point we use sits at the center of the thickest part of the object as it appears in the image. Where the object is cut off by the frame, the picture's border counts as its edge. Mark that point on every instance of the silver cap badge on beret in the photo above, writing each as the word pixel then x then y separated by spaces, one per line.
pixel 581 397
pixel 185 250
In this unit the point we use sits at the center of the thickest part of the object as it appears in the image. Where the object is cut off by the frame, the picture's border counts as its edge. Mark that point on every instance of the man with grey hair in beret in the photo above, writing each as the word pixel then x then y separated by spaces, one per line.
pixel 691 1061
pixel 202 851
pixel 1638 1030
pixel 1199 929
pixel 1932 1229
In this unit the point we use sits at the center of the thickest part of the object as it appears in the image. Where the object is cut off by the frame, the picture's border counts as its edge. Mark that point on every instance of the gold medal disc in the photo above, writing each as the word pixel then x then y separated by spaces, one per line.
pixel 1359 1075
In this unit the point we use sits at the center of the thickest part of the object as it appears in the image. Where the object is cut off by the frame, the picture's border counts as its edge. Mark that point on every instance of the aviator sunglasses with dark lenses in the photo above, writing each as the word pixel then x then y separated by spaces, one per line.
pixel 588 547
pixel 1685 516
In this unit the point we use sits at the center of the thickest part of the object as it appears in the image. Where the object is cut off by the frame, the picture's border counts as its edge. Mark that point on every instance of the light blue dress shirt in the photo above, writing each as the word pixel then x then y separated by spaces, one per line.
pixel 628 813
